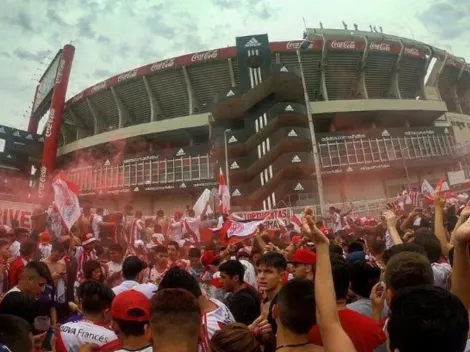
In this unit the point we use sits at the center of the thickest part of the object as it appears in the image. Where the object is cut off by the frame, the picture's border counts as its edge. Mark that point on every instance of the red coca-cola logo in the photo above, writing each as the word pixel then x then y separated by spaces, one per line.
pixel 98 87
pixel 343 44
pixel 412 52
pixel 60 71
pixel 380 46
pixel 206 55
pixel 161 65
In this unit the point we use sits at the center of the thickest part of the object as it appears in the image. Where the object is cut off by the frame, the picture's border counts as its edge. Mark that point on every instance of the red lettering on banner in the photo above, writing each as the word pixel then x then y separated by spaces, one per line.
pixel 22 216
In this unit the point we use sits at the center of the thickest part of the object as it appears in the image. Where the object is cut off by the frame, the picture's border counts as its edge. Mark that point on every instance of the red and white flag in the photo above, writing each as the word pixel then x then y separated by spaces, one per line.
pixel 235 231
pixel 66 199
pixel 224 194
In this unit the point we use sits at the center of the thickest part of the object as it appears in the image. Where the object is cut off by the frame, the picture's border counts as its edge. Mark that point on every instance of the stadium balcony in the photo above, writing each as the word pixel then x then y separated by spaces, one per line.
pixel 463 90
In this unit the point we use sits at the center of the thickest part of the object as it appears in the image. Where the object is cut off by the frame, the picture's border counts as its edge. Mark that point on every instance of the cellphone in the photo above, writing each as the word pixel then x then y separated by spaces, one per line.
pixel 46 344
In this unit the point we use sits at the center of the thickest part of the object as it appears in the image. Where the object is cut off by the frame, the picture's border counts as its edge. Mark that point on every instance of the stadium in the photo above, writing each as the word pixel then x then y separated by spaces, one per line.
pixel 387 111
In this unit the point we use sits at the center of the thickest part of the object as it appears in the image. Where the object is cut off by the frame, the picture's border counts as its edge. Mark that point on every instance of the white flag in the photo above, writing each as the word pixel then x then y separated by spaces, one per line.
pixel 201 203
pixel 427 189
pixel 66 199
pixel 238 231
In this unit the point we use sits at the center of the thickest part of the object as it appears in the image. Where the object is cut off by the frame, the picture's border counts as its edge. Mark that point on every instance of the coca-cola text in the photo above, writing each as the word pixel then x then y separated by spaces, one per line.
pixel 343 44
pixel 161 65
pixel 50 122
pixel 127 75
pixel 206 55
pixel 380 46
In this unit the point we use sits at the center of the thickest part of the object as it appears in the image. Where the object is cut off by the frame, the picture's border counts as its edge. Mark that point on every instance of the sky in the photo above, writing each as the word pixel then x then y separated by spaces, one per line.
pixel 113 36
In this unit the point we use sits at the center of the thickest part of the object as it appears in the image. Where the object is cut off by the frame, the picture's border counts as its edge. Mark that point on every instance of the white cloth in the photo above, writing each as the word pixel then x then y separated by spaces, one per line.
pixel 250 274
pixel 15 249
pixel 73 335
pixel 14 289
pixel 441 273
pixel 337 225
pixel 126 285
pixel 95 225
pixel 45 250
pixel 147 289
pixel 176 230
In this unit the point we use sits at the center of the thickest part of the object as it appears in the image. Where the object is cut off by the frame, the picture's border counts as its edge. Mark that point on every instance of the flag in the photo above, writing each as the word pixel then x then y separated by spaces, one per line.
pixel 224 194
pixel 201 203
pixel 235 231
pixel 66 199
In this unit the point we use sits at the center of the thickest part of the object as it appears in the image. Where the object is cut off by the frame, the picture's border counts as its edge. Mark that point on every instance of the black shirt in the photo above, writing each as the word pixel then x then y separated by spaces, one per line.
pixel 245 306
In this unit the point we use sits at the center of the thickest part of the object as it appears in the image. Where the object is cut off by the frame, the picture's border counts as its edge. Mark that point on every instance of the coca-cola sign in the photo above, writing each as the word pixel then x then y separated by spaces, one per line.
pixel 412 52
pixel 343 44
pixel 127 75
pixel 60 71
pixel 161 65
pixel 296 45
pixel 77 97
pixel 42 181
pixel 50 122
pixel 98 87
pixel 205 55
pixel 380 46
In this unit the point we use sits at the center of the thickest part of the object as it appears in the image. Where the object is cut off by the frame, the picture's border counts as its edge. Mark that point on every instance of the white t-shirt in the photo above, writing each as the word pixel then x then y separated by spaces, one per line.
pixel 250 274
pixel 337 226
pixel 74 334
pixel 95 225
pixel 15 249
pixel 147 289
pixel 216 320
pixel 14 289
pixel 45 250
pixel 176 231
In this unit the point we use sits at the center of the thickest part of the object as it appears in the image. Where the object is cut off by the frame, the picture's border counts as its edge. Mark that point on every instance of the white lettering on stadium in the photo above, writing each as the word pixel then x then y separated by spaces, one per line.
pixel 60 71
pixel 159 188
pixel 161 65
pixel 98 87
pixel 347 44
pixel 296 45
pixel 42 181
pixel 412 51
pixel 50 122
pixel 375 167
pixel 419 133
pixel 127 75
pixel 380 46
pixel 206 55
pixel 340 138
pixel 143 158
pixel 77 97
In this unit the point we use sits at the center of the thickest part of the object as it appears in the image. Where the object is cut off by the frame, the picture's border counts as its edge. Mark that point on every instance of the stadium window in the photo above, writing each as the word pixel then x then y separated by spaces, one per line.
pixel 195 168
pixel 170 170
pixel 139 173
pixel 147 172
pixel 162 171
pixel 155 172
pixel 325 157
pixel 127 175
pixel 178 169
pixel 204 167
pixel 133 174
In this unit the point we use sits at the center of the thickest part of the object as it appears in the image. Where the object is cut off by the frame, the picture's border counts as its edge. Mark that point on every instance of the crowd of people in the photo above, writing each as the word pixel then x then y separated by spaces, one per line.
pixel 399 283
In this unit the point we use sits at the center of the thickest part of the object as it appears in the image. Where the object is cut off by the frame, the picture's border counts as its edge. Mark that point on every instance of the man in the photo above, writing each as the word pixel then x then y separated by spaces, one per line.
pixel 15 334
pixel 95 299
pixel 174 256
pixel 427 318
pixel 85 252
pixel 160 267
pixel 5 255
pixel 244 302
pixel 175 321
pixel 216 314
pixel 21 236
pixel 131 315
pixel 116 255
pixel 196 269
pixel 33 279
pixel 295 313
pixel 56 264
pixel 271 271
pixel 136 229
pixel 365 333
pixel 44 247
pixel 132 274
pixel 27 251
pixel 304 262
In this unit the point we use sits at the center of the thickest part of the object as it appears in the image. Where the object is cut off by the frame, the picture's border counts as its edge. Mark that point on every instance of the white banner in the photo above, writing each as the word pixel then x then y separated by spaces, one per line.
pixel 16 211
pixel 271 216
pixel 66 201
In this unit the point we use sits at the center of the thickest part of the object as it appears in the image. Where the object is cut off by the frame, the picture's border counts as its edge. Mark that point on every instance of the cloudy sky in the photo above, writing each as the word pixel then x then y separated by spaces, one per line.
pixel 113 36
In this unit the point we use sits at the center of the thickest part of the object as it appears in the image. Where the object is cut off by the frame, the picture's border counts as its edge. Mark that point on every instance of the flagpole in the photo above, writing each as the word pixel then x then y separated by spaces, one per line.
pixel 227 175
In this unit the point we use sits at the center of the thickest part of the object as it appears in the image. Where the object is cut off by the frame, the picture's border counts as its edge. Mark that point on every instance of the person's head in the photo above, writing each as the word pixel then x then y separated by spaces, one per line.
pixel 178 278
pixel 131 313
pixel 5 251
pixel 295 310
pixel 194 255
pixel 407 269
pixel 100 211
pixel 173 250
pixel 20 304
pixel 21 234
pixel 400 248
pixel 57 251
pixel 332 210
pixel 131 268
pixel 95 299
pixel 161 255
pixel 235 337
pixel 138 214
pixel 175 319
pixel 231 275
pixel 15 334
pixel 34 278
pixel 86 205
pixel 336 248
pixel 271 268
pixel 355 246
pixel 92 270
pixel 341 278
pixel 160 213
pixel 430 243
pixel 116 253
pixel 426 318
pixel 28 248
pixel 363 278
pixel 304 262
pixel 191 213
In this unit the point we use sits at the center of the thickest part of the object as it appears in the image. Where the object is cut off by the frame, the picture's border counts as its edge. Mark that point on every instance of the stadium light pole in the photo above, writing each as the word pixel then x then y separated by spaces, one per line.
pixel 406 168
pixel 316 159
pixel 227 175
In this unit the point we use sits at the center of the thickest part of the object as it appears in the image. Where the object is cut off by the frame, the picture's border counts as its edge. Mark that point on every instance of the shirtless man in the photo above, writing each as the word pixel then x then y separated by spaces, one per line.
pixel 164 223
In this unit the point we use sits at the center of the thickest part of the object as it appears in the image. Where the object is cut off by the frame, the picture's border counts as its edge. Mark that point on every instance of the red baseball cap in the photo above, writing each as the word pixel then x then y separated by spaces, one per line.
pixel 304 256
pixel 131 305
